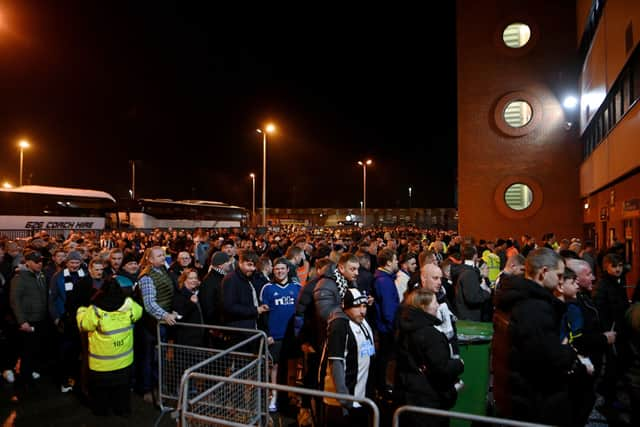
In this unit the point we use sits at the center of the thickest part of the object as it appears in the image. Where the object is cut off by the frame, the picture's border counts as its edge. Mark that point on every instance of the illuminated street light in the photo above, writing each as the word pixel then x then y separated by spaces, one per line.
pixel 253 202
pixel 364 164
pixel 270 128
pixel 22 144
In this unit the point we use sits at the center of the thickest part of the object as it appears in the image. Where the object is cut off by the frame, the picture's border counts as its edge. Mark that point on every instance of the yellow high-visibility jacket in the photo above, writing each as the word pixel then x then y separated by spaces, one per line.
pixel 110 335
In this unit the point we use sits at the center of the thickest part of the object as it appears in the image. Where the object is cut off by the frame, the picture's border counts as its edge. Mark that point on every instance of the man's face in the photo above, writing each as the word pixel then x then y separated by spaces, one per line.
pixel 280 273
pixel 247 267
pixel 59 257
pixel 228 249
pixel 412 265
pixel 570 287
pixel 115 260
pixel 34 266
pixel 357 313
pixel 184 259
pixel 96 270
pixel 615 270
pixel 516 269
pixel 431 278
pixel 585 278
pixel 394 264
pixel 350 270
pixel 73 265
pixel 157 258
pixel 552 276
pixel 131 267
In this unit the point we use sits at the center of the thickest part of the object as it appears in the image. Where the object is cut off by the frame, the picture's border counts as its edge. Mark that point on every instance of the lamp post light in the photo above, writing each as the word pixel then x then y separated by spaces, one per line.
pixel 253 198
pixel 22 144
pixel 364 164
pixel 270 128
pixel 410 197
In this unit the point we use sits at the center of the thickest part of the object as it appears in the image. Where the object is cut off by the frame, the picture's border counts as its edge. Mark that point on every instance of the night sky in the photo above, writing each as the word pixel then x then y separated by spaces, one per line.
pixel 181 87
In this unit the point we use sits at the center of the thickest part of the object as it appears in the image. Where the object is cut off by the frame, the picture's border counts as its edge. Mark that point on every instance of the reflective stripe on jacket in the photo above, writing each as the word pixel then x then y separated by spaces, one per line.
pixel 110 335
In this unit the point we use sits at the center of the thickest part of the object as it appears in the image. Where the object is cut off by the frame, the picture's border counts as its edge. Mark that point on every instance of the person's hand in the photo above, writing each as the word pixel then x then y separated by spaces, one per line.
pixel 263 308
pixel 194 298
pixel 170 318
pixel 270 340
pixel 370 300
pixel 611 337
pixel 307 348
pixel 26 327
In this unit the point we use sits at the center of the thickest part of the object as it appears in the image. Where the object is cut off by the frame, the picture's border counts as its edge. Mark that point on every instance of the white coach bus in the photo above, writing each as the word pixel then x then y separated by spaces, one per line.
pixel 36 207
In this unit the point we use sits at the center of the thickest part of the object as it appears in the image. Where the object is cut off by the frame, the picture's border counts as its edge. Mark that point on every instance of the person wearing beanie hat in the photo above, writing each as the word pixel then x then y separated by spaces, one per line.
pixel 211 288
pixel 346 360
pixel 63 309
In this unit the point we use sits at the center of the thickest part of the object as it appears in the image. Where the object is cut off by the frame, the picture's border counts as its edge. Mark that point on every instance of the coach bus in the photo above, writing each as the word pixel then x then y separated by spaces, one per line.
pixel 36 207
pixel 167 213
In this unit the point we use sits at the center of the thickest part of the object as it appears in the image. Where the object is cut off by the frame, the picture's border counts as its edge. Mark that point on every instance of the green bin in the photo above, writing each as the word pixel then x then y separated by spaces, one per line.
pixel 475 340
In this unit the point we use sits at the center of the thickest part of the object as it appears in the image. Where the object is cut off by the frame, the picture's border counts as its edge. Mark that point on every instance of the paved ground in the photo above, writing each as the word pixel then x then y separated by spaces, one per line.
pixel 45 406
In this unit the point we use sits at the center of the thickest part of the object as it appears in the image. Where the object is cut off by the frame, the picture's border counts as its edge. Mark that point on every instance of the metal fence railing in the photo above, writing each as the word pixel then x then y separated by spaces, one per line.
pixel 246 350
pixel 216 404
pixel 493 421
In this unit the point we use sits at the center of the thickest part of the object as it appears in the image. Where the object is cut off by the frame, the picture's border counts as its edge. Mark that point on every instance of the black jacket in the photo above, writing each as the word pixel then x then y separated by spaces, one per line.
pixel 424 362
pixel 539 364
pixel 211 298
pixel 239 309
pixel 612 302
pixel 191 313
pixel 592 343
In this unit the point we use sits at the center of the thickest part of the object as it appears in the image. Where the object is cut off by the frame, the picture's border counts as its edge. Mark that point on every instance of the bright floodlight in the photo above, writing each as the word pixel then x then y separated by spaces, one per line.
pixel 570 102
pixel 369 161
pixel 251 175
pixel 23 144
pixel 270 128
pixel 7 185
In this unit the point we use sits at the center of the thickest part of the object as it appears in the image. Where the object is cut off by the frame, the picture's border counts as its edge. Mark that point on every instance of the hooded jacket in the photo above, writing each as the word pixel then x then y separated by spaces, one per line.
pixel 425 365
pixel 529 344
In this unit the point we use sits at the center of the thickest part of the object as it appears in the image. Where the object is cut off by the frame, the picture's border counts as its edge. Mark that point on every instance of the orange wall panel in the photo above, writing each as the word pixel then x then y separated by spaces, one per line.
pixel 619 14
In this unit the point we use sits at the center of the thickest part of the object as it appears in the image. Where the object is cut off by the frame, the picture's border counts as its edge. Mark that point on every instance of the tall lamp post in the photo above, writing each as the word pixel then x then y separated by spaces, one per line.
pixel 364 164
pixel 409 197
pixel 253 198
pixel 22 144
pixel 270 128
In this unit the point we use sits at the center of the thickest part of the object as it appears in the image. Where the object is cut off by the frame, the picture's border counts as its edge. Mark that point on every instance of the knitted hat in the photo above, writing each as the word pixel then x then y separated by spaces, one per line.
pixel 219 258
pixel 353 298
pixel 129 257
pixel 74 256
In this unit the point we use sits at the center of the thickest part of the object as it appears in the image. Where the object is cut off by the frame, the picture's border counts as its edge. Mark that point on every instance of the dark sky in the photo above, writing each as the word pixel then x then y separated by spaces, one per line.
pixel 181 86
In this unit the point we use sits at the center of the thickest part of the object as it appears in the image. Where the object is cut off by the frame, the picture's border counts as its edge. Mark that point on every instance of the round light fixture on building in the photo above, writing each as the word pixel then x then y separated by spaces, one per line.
pixel 518 196
pixel 516 35
pixel 349 218
pixel 517 113
pixel 570 102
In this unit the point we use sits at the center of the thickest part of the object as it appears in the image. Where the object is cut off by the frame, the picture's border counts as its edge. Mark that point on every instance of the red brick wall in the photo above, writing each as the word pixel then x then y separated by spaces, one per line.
pixel 543 153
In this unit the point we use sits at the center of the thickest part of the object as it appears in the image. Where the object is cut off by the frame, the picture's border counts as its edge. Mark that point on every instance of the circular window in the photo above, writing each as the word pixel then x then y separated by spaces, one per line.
pixel 517 113
pixel 516 35
pixel 518 196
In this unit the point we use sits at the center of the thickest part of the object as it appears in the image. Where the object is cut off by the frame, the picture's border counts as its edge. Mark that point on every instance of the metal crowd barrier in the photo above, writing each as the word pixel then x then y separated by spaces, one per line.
pixel 458 415
pixel 247 350
pixel 222 400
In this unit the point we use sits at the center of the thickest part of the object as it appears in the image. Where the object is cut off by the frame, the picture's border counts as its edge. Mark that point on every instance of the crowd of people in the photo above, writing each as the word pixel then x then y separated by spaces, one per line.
pixel 370 312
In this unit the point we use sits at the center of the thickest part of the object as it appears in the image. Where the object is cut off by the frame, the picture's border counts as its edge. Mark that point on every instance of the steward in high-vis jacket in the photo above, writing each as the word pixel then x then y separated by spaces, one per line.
pixel 109 321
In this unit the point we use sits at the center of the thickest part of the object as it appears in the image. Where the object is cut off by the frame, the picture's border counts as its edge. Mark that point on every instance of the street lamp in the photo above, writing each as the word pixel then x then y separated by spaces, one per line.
pixel 364 164
pixel 409 197
pixel 253 203
pixel 22 144
pixel 270 128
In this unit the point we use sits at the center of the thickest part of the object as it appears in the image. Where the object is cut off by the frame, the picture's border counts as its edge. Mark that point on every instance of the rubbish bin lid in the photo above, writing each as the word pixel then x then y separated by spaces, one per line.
pixel 469 331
